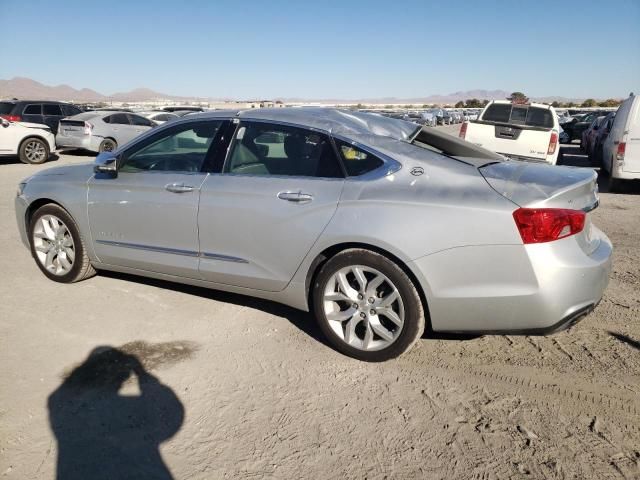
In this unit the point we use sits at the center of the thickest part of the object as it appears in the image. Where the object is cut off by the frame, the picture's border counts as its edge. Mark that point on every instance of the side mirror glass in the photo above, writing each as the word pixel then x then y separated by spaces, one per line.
pixel 106 163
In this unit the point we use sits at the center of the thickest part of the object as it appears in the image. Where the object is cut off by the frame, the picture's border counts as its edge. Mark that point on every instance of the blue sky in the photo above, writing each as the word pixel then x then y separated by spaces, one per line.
pixel 326 49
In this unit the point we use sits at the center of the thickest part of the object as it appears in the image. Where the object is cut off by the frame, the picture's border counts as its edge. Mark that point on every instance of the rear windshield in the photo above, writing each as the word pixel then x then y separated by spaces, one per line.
pixel 519 115
pixel 6 107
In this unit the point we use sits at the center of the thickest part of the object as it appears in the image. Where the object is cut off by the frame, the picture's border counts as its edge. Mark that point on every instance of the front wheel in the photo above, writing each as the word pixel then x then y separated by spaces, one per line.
pixel 367 306
pixel 57 246
pixel 34 151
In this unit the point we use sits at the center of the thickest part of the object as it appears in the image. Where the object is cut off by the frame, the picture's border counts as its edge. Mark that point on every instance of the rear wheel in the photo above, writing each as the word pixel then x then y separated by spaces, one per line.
pixel 57 246
pixel 108 145
pixel 367 306
pixel 34 151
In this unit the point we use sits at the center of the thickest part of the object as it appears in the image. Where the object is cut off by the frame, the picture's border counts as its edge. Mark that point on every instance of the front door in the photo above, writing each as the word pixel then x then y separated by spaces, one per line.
pixel 259 218
pixel 146 217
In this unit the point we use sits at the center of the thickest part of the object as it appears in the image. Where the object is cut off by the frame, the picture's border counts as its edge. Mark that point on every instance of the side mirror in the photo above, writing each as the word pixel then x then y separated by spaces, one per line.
pixel 107 163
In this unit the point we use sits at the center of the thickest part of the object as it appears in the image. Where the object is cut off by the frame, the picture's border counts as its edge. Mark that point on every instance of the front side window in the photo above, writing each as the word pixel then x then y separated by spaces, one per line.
pixel 33 109
pixel 356 161
pixel 267 149
pixel 52 109
pixel 183 148
pixel 70 110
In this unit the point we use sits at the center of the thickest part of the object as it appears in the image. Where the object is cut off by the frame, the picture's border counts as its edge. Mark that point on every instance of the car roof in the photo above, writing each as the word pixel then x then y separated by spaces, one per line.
pixel 331 120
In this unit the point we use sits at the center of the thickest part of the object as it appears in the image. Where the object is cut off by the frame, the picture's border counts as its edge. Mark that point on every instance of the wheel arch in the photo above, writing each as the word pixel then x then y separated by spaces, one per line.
pixel 333 250
pixel 32 136
pixel 35 205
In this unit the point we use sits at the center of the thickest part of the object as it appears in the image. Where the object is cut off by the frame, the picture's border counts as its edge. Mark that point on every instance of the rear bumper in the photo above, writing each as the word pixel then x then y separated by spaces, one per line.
pixel 532 289
pixel 86 142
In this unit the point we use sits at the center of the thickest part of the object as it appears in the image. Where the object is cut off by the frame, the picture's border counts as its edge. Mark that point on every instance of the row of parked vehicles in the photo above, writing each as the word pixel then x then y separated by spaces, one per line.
pixel 532 131
pixel 32 129
pixel 434 116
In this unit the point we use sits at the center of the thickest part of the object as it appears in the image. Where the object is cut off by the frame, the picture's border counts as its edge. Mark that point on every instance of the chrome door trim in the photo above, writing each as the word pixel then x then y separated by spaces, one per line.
pixel 173 251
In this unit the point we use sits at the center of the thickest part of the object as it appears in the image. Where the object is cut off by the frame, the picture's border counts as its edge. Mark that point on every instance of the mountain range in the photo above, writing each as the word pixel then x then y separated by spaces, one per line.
pixel 21 87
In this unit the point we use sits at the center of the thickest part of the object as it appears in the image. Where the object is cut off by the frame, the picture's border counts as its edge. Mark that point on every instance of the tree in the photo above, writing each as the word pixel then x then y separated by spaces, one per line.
pixel 485 103
pixel 518 97
pixel 460 104
pixel 610 102
pixel 555 104
pixel 473 103
pixel 589 102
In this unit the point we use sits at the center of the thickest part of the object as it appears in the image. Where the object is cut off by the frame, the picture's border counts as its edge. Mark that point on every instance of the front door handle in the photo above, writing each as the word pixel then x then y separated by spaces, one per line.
pixel 178 188
pixel 295 197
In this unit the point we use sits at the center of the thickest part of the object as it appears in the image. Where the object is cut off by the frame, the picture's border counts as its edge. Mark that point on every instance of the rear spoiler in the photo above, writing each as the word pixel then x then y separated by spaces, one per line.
pixel 453 146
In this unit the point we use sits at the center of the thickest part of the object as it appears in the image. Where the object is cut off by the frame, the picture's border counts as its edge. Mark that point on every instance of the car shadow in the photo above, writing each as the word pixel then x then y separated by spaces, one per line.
pixel 104 434
pixel 78 152
pixel 13 159
pixel 572 156
pixel 304 321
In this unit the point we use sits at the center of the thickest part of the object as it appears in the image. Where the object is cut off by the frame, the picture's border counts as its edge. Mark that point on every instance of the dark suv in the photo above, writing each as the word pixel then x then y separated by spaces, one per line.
pixel 37 111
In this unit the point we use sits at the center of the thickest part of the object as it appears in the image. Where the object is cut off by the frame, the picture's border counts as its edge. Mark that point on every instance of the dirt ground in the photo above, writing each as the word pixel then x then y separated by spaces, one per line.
pixel 223 386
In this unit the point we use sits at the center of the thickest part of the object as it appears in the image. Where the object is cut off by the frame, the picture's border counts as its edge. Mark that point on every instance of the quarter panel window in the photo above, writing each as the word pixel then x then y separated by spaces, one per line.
pixel 356 161
pixel 183 148
pixel 269 149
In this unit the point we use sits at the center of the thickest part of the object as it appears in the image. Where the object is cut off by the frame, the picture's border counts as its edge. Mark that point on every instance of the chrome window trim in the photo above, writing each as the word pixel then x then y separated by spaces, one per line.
pixel 173 251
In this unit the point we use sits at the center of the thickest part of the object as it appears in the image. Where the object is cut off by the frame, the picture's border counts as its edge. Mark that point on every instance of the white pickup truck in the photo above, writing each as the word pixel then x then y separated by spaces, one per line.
pixel 519 131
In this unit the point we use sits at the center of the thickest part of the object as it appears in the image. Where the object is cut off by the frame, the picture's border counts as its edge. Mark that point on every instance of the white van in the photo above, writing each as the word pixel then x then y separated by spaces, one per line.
pixel 621 149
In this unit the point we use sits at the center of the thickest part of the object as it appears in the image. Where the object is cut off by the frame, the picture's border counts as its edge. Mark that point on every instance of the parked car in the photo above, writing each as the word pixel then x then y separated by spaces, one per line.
pixel 429 118
pixel 589 134
pixel 580 123
pixel 439 114
pixel 183 108
pixel 527 132
pixel 447 118
pixel 159 117
pixel 101 131
pixel 292 214
pixel 595 152
pixel 621 148
pixel 37 111
pixel 31 142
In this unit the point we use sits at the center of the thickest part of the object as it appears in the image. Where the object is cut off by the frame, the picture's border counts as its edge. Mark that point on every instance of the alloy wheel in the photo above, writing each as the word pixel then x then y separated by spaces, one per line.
pixel 53 245
pixel 35 151
pixel 363 307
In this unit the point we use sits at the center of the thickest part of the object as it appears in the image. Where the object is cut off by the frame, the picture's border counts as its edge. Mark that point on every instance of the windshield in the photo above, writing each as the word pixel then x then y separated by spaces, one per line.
pixel 525 115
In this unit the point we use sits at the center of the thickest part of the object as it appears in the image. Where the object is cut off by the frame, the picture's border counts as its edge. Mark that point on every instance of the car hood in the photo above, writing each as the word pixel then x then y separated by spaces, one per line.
pixel 81 171
pixel 34 125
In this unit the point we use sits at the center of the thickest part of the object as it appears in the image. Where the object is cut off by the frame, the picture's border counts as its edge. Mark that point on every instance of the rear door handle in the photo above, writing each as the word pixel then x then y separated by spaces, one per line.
pixel 178 188
pixel 295 197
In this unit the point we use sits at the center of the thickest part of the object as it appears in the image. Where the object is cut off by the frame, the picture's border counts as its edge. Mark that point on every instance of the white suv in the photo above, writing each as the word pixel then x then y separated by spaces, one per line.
pixel 31 142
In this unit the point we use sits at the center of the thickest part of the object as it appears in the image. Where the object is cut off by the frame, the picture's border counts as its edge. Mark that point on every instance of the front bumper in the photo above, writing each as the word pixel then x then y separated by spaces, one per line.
pixel 530 289
pixel 20 205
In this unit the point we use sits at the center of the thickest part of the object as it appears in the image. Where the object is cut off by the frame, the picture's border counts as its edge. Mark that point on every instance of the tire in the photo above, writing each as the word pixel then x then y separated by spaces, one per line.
pixel 47 242
pixel 108 145
pixel 33 151
pixel 351 331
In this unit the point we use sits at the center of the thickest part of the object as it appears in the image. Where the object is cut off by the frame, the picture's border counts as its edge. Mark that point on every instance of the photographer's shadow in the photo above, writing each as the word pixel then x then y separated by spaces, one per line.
pixel 103 434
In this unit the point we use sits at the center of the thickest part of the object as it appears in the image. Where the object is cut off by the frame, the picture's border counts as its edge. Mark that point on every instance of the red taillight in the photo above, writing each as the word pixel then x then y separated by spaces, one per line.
pixel 463 130
pixel 553 143
pixel 12 118
pixel 539 225
pixel 622 148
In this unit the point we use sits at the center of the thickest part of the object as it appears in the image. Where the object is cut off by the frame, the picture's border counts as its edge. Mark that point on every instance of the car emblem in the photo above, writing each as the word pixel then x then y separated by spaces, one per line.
pixel 417 171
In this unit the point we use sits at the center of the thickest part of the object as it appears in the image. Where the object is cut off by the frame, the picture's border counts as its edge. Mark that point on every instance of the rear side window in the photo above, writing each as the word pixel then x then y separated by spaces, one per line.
pixel 70 110
pixel 519 115
pixel 355 160
pixel 117 118
pixel 33 109
pixel 52 109
pixel 6 107
pixel 140 121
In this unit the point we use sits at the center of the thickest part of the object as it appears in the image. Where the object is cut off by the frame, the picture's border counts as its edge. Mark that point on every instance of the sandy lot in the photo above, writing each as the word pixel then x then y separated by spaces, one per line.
pixel 224 386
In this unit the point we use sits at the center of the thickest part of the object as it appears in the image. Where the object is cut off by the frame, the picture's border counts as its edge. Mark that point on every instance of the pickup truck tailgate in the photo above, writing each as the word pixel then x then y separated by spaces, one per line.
pixel 520 143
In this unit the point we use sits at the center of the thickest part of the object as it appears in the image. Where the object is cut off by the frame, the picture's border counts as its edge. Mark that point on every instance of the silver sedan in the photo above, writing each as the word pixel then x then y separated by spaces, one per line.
pixel 100 131
pixel 382 228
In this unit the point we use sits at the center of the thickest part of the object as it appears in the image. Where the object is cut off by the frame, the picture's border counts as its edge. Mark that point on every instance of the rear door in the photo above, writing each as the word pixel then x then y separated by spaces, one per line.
pixel 32 113
pixel 52 113
pixel 519 131
pixel 258 219
pixel 121 128
pixel 140 123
